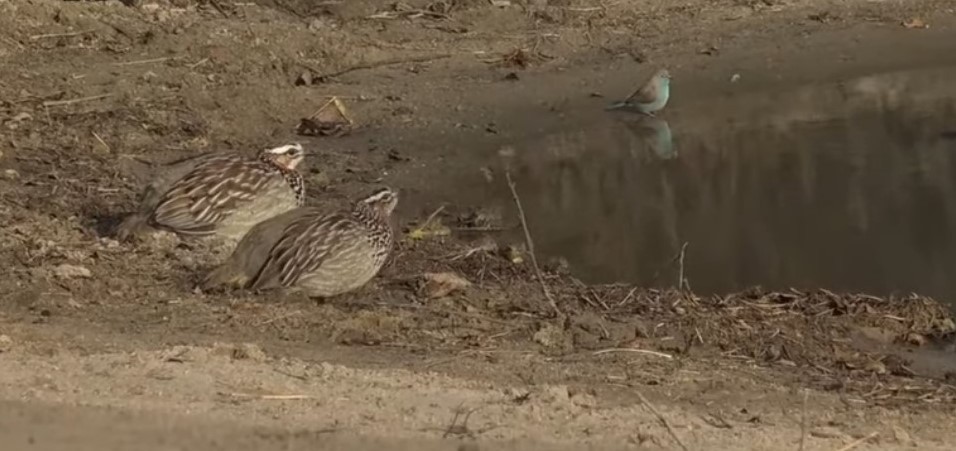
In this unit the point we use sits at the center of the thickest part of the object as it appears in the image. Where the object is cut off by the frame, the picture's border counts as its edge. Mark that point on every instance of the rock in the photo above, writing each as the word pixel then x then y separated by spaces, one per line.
pixel 245 351
pixel 6 343
pixel 552 337
pixel 66 271
pixel 902 437
pixel 11 174
pixel 916 339
pixel 555 394
pixel 557 265
pixel 304 79
pixel 876 367
pixel 249 351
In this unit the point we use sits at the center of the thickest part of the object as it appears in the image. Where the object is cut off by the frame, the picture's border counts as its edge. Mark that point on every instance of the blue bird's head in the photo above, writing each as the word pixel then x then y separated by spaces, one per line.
pixel 663 77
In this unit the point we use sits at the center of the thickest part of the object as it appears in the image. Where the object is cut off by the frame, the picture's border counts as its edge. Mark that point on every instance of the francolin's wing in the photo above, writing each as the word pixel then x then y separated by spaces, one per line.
pixel 252 251
pixel 163 177
pixel 306 244
pixel 198 202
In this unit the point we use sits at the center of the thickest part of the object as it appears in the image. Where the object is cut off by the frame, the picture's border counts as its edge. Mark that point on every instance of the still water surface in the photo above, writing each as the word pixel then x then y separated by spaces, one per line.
pixel 849 186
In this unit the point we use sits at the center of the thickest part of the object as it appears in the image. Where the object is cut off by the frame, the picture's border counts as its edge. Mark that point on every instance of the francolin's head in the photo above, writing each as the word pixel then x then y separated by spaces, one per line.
pixel 288 156
pixel 382 201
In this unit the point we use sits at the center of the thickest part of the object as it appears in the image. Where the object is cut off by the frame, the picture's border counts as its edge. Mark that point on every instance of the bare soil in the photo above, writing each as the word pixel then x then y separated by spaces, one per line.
pixel 98 336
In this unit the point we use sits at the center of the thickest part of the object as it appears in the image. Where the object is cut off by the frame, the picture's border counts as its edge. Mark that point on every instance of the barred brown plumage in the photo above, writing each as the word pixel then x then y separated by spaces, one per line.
pixel 220 193
pixel 310 249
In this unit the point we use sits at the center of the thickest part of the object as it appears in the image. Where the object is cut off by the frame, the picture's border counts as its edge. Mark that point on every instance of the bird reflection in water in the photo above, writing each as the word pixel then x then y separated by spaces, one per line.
pixel 656 134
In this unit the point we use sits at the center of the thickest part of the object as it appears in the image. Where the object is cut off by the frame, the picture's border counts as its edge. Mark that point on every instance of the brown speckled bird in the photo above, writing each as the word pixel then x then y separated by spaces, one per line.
pixel 312 250
pixel 222 194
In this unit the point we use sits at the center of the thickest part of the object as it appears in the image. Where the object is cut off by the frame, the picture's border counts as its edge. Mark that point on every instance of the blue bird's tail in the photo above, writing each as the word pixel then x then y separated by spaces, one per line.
pixel 615 106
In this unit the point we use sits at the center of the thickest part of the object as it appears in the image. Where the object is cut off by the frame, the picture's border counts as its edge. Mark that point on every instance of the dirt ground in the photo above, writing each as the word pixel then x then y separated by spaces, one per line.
pixel 107 345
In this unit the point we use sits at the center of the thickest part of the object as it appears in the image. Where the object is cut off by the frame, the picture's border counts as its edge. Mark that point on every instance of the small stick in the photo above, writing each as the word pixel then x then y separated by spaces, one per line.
pixel 803 421
pixel 628 297
pixel 583 10
pixel 858 442
pixel 107 146
pixel 198 63
pixel 271 397
pixel 58 35
pixel 480 229
pixel 146 61
pixel 680 278
pixel 385 62
pixel 278 318
pixel 284 397
pixel 662 420
pixel 530 243
pixel 431 217
pixel 50 103
pixel 215 4
pixel 641 351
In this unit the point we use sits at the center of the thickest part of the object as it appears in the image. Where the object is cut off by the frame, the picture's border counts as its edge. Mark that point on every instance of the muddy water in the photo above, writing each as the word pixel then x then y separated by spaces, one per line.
pixel 849 185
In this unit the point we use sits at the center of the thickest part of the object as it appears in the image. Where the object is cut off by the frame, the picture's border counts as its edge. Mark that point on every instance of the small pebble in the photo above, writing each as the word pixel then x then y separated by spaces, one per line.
pixel 6 343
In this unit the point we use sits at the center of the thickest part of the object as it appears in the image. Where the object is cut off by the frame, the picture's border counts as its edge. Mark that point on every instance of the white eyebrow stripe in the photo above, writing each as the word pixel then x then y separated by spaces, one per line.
pixel 285 148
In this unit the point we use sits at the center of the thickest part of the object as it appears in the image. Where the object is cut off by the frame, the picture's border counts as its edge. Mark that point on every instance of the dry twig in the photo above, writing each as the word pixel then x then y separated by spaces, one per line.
pixel 50 103
pixel 37 37
pixel 146 61
pixel 530 243
pixel 198 63
pixel 803 421
pixel 663 420
pixel 409 14
pixel 107 146
pixel 680 275
pixel 270 397
pixel 628 297
pixel 431 217
pixel 640 351
pixel 859 442
pixel 385 62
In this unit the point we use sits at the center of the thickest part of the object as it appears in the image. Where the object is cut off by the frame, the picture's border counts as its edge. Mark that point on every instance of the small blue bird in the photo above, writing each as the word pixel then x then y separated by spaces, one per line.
pixel 649 98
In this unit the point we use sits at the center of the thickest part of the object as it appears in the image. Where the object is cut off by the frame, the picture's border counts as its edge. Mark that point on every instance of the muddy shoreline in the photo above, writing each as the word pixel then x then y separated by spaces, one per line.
pixel 132 349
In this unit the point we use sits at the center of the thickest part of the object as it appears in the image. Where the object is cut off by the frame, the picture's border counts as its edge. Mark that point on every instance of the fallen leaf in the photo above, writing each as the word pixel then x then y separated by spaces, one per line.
pixel 332 119
pixel 915 22
pixel 442 284
pixel 514 254
pixel 431 228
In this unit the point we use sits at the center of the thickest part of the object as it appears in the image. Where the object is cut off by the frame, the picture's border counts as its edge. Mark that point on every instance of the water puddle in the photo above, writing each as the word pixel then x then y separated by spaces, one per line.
pixel 848 186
